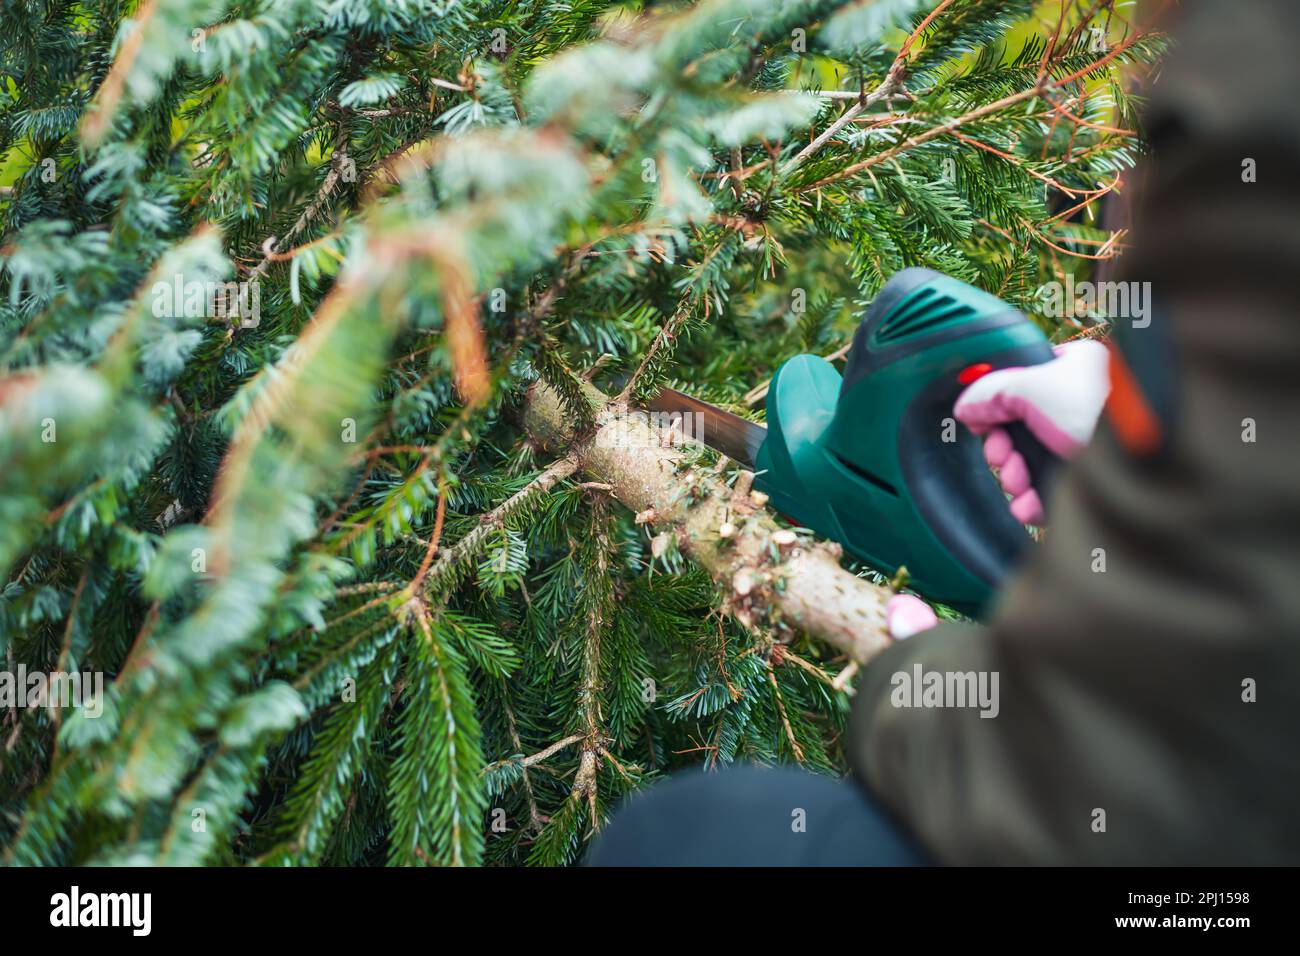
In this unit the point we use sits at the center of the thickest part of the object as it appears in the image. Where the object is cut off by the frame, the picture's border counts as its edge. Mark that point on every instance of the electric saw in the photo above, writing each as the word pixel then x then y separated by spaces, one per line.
pixel 875 460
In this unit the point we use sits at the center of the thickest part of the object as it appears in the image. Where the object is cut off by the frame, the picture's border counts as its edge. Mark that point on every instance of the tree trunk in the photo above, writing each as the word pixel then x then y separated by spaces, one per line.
pixel 770 576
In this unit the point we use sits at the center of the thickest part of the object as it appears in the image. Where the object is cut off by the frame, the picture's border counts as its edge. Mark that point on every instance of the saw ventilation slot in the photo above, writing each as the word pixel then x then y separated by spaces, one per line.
pixel 923 312
pixel 865 475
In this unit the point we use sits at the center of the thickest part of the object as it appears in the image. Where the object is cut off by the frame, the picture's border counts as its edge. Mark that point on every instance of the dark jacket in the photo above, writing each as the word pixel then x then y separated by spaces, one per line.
pixel 1128 691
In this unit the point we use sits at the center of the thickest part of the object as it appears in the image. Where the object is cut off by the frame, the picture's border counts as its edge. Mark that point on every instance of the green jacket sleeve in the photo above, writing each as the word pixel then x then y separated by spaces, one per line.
pixel 1148 655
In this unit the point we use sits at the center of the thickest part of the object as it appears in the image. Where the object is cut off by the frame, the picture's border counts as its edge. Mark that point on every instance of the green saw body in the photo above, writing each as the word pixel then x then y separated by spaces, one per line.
pixel 874 460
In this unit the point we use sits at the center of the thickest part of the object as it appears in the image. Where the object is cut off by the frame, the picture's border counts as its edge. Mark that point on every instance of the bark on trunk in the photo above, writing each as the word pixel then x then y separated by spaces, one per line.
pixel 770 576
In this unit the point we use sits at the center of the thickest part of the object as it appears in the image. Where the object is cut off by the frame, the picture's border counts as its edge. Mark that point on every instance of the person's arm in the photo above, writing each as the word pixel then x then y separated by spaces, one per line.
pixel 1148 656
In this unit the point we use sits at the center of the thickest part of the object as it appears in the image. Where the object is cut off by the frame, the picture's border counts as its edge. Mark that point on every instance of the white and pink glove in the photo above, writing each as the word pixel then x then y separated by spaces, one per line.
pixel 1059 401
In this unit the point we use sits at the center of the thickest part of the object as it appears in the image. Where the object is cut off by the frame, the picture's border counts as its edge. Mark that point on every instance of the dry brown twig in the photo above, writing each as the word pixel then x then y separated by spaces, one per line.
pixel 888 89
pixel 1042 86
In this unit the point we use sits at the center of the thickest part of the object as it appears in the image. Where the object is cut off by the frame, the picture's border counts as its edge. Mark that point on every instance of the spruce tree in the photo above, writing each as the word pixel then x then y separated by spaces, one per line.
pixel 280 277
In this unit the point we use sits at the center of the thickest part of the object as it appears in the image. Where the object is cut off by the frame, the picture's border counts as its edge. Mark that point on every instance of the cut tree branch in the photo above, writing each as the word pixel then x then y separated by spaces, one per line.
pixel 770 576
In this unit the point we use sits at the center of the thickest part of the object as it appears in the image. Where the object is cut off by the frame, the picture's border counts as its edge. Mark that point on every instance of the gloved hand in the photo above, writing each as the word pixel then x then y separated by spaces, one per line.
pixel 1059 401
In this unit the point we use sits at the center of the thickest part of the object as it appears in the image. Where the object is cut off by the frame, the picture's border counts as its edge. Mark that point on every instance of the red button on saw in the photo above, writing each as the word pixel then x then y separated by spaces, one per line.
pixel 971 372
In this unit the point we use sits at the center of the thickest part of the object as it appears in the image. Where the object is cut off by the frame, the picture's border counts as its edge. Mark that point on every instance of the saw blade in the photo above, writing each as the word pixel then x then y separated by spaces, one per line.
pixel 722 431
